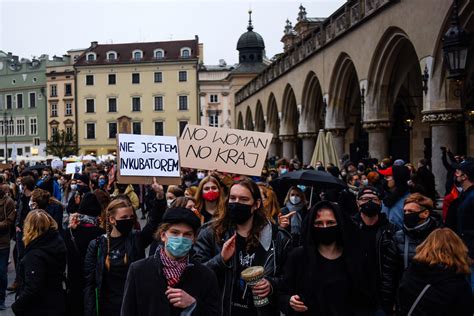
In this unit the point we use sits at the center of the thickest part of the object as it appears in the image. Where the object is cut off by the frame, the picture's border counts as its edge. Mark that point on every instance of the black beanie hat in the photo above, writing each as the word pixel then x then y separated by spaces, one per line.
pixel 90 205
pixel 176 215
pixel 401 176
pixel 80 176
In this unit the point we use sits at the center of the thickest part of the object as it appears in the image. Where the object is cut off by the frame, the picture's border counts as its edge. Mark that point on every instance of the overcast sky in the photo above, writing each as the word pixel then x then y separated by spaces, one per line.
pixel 32 28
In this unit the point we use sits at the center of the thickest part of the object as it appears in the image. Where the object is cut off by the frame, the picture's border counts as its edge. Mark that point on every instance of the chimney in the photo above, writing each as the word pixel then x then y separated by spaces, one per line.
pixel 94 44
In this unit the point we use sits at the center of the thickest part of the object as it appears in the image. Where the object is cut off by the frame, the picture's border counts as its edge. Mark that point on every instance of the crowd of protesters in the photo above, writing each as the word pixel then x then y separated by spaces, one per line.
pixel 387 243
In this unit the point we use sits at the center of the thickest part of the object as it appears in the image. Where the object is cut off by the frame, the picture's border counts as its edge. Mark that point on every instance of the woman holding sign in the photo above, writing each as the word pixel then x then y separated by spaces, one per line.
pixel 210 198
pixel 240 238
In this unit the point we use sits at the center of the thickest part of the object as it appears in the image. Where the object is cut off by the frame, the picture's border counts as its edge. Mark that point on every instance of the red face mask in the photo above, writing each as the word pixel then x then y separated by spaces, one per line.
pixel 211 196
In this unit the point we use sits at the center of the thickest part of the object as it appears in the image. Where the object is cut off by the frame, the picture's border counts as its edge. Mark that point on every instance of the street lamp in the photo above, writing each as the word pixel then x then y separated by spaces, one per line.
pixel 455 46
pixel 6 127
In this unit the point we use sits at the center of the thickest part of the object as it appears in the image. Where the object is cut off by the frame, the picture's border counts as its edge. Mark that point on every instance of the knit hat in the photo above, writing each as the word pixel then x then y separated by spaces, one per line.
pixel 83 177
pixel 467 167
pixel 90 205
pixel 401 176
pixel 176 215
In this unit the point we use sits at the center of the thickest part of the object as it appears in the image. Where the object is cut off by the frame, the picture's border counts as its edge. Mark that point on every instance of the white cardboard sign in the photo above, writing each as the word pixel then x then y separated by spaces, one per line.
pixel 74 167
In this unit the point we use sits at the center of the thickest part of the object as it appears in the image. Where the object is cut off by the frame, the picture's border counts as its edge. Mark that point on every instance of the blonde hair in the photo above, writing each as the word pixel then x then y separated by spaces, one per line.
pixel 270 201
pixel 421 200
pixel 110 211
pixel 37 223
pixel 300 192
pixel 444 247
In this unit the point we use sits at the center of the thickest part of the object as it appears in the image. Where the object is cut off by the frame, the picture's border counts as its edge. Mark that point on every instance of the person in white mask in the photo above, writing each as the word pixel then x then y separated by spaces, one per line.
pixel 295 204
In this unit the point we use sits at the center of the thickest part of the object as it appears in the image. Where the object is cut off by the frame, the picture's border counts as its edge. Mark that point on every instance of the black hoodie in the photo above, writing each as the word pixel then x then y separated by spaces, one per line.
pixel 301 278
pixel 41 274
pixel 449 294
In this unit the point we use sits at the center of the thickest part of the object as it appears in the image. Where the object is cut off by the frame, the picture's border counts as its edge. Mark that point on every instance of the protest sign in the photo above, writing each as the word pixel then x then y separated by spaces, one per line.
pixel 142 157
pixel 74 167
pixel 226 150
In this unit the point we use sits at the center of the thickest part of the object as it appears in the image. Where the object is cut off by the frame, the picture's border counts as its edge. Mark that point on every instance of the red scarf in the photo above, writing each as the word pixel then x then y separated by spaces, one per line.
pixel 172 269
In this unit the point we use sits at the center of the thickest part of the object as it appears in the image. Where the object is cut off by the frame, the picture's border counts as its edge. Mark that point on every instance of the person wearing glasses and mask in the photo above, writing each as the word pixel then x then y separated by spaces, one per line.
pixel 376 234
pixel 324 276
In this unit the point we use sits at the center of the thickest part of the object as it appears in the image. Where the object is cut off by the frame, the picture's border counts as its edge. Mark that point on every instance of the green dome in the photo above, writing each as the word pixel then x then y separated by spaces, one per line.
pixel 250 39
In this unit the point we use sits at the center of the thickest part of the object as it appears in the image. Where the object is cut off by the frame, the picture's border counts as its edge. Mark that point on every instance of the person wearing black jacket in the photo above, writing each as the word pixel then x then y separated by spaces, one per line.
pixel 325 276
pixel 109 256
pixel 242 237
pixel 376 238
pixel 170 282
pixel 41 269
pixel 436 281
pixel 82 230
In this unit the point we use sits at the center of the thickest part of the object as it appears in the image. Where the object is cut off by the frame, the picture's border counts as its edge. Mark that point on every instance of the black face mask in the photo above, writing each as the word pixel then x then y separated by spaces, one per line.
pixel 411 220
pixel 239 213
pixel 371 208
pixel 327 235
pixel 125 226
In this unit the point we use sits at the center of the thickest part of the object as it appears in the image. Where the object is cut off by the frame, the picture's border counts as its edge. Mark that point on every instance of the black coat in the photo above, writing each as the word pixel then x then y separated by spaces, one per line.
pixel 449 294
pixel 146 286
pixel 41 274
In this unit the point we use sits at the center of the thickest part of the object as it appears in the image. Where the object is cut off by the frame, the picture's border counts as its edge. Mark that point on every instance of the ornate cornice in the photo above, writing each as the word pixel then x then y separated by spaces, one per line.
pixel 307 135
pixel 337 132
pixel 287 138
pixel 376 125
pixel 442 117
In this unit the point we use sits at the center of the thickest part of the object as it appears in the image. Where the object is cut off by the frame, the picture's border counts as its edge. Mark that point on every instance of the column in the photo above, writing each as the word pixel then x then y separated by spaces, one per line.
pixel 225 111
pixel 288 142
pixel 338 136
pixel 202 109
pixel 378 138
pixel 308 143
pixel 443 134
pixel 274 149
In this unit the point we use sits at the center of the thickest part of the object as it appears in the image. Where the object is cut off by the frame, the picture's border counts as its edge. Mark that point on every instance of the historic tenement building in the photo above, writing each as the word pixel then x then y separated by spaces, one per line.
pixel 375 74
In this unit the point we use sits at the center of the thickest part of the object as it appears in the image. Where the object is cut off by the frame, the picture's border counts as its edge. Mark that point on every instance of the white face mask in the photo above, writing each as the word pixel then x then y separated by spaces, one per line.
pixel 201 175
pixel 365 182
pixel 32 205
pixel 295 199
pixel 169 202
pixel 21 188
pixel 74 187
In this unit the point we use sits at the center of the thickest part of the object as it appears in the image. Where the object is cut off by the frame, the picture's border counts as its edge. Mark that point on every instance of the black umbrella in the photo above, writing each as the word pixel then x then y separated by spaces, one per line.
pixel 37 167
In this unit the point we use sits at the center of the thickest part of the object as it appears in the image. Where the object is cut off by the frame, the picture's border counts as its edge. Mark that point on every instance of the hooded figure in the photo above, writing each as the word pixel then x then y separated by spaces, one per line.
pixel 326 286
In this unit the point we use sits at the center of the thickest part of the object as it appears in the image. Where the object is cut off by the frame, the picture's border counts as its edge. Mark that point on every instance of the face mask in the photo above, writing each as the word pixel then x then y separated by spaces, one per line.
pixel 343 173
pixel 74 187
pixel 187 183
pixel 327 235
pixel 201 175
pixel 283 171
pixel 365 182
pixel 124 226
pixel 211 196
pixel 239 213
pixel 101 182
pixel 295 199
pixel 169 202
pixel 459 189
pixel 21 188
pixel 371 208
pixel 178 246
pixel 411 220
pixel 32 205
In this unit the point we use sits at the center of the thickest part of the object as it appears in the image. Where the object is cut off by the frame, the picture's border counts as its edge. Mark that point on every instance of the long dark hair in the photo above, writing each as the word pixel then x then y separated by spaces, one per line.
pixel 223 223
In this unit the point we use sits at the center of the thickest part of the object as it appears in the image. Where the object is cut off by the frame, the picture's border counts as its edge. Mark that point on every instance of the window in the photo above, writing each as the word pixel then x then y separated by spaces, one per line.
pixel 214 120
pixel 33 126
pixel 68 110
pixel 112 79
pixel 135 78
pixel 183 76
pixel 159 129
pixel 54 109
pixel 158 76
pixel 136 104
pixel 20 127
pixel 11 127
pixel 182 125
pixel 67 89
pixel 183 102
pixel 158 106
pixel 213 98
pixel 90 130
pixel 2 152
pixel 32 99
pixel 36 141
pixel 89 80
pixel 19 151
pixel 1 129
pixel 159 53
pixel 54 130
pixel 90 106
pixel 54 90
pixel 19 101
pixel 27 149
pixel 9 101
pixel 185 52
pixel 111 56
pixel 69 133
pixel 112 105
pixel 136 128
pixel 137 55
pixel 90 57
pixel 112 129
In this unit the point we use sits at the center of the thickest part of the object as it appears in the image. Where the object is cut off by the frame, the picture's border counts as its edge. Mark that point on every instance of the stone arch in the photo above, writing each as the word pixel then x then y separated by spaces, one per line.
pixel 312 105
pixel 259 118
pixel 240 121
pixel 273 125
pixel 249 126
pixel 290 123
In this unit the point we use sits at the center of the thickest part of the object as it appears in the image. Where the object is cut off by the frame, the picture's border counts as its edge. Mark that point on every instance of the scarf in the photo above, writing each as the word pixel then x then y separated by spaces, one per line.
pixel 87 221
pixel 296 220
pixel 172 269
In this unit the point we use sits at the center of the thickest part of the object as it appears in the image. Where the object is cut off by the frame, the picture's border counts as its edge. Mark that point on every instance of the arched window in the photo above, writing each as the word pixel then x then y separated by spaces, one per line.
pixel 111 56
pixel 185 52
pixel 91 57
pixel 159 53
pixel 137 54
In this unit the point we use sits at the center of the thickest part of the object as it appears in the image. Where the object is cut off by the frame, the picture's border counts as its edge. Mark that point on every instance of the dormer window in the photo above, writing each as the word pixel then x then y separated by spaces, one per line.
pixel 111 56
pixel 91 57
pixel 137 54
pixel 159 53
pixel 185 52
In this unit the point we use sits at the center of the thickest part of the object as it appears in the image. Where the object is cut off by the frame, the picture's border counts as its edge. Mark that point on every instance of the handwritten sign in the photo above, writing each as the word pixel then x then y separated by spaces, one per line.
pixel 74 167
pixel 148 156
pixel 226 150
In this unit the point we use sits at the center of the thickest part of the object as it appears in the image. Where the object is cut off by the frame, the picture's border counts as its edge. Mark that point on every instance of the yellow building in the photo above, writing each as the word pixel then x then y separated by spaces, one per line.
pixel 143 88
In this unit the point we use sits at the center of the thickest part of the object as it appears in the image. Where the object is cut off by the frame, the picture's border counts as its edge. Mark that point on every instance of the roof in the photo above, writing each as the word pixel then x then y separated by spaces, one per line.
pixel 250 39
pixel 124 52
pixel 217 67
pixel 249 68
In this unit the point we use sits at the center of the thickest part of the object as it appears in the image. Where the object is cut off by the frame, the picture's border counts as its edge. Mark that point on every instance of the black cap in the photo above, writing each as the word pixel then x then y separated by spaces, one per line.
pixel 467 167
pixel 369 190
pixel 84 178
pixel 176 215
pixel 90 205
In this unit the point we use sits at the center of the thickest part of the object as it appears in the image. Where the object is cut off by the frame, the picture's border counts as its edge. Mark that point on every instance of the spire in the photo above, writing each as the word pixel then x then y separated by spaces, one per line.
pixel 301 14
pixel 250 27
pixel 288 27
